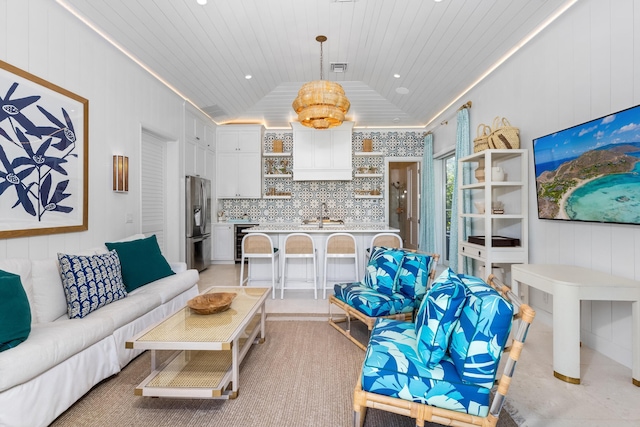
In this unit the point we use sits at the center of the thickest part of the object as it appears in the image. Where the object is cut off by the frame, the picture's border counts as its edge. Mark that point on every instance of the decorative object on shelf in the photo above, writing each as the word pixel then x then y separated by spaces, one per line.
pixel 481 142
pixel 277 146
pixel 271 166
pixel 221 216
pixel 496 241
pixel 321 104
pixel 479 207
pixel 503 135
pixel 211 303
pixel 367 145
pixel 284 166
pixel 479 172
pixel 497 208
pixel 120 174
pixel 497 173
pixel 271 191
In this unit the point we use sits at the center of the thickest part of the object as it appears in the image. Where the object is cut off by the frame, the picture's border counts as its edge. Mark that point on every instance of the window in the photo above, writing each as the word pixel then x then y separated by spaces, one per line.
pixel 448 179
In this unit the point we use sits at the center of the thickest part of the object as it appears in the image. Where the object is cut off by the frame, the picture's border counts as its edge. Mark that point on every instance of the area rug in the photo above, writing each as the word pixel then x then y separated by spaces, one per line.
pixel 303 374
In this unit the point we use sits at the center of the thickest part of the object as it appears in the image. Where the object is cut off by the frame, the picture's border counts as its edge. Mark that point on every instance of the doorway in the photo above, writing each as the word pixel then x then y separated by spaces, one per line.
pixel 403 203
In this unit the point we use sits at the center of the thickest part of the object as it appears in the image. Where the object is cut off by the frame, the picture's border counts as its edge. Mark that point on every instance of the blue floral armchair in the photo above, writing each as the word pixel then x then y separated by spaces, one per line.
pixel 441 367
pixel 394 284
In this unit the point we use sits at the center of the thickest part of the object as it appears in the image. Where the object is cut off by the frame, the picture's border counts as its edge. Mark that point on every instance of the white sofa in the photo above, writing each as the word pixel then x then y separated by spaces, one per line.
pixel 62 359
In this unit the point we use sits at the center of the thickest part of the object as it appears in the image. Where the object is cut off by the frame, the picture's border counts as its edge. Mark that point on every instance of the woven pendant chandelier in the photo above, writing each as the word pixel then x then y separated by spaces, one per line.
pixel 321 104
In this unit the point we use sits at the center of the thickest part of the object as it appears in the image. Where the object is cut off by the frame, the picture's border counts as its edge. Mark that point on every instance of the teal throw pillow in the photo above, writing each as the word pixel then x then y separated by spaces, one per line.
pixel 438 316
pixel 15 313
pixel 90 282
pixel 380 274
pixel 142 261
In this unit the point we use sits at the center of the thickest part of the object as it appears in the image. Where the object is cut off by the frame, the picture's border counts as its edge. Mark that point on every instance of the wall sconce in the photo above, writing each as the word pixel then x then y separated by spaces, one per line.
pixel 120 174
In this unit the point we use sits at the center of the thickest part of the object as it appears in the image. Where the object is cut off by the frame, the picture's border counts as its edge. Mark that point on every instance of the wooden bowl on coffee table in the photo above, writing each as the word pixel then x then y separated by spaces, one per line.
pixel 211 303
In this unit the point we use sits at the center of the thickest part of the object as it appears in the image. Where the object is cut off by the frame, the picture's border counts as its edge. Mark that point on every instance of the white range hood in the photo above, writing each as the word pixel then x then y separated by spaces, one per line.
pixel 322 155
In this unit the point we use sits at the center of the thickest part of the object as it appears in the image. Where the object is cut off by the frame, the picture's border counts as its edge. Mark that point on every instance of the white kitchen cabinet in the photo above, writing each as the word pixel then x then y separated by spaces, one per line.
pixel 190 157
pixel 199 137
pixel 322 155
pixel 498 208
pixel 194 126
pixel 210 138
pixel 239 161
pixel 223 243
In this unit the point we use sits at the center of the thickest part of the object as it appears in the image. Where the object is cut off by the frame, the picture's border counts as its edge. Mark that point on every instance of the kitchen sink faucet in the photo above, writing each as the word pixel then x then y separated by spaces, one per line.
pixel 323 207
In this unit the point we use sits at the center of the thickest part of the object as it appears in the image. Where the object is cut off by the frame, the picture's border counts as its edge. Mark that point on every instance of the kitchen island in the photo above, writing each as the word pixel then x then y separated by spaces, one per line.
pixel 299 272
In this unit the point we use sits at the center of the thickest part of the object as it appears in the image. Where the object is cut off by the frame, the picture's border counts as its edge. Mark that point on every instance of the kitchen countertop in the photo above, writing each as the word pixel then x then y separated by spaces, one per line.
pixel 294 227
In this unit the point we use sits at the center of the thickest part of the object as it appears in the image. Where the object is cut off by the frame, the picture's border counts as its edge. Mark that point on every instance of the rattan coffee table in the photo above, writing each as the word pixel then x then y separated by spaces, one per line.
pixel 209 348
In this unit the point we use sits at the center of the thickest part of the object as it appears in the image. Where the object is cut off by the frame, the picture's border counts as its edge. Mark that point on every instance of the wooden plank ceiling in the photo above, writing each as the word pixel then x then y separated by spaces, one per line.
pixel 437 48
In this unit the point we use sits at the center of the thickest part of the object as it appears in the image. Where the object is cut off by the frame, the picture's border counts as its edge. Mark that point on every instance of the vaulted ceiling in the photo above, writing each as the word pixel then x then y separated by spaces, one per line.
pixel 204 52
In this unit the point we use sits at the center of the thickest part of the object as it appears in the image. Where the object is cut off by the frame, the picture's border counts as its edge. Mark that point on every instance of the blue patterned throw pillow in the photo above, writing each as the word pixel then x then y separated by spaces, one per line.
pixel 90 282
pixel 479 336
pixel 414 275
pixel 382 269
pixel 438 315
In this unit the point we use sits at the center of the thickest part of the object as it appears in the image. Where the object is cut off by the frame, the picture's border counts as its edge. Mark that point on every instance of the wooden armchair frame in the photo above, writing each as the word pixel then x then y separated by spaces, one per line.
pixel 350 312
pixel 523 316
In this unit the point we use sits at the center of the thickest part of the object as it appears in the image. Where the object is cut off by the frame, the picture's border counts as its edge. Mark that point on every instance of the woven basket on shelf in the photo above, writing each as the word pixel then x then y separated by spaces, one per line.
pixel 481 142
pixel 503 135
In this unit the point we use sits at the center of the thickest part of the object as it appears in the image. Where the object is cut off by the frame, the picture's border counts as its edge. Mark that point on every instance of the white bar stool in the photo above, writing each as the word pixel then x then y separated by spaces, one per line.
pixel 298 245
pixel 388 240
pixel 259 245
pixel 339 245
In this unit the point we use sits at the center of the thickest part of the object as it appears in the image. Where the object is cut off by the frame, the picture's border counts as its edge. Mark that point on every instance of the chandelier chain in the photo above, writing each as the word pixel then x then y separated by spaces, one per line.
pixel 321 75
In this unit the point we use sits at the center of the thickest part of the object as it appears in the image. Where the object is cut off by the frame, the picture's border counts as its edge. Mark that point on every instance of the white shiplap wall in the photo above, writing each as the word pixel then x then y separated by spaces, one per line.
pixel 583 66
pixel 42 38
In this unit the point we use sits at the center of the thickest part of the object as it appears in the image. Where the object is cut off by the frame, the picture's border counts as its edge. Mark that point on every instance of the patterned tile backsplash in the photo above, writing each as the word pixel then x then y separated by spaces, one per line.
pixel 307 196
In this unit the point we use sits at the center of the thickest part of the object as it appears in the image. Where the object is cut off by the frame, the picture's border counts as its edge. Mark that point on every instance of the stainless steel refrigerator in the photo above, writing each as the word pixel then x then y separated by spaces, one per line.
pixel 198 215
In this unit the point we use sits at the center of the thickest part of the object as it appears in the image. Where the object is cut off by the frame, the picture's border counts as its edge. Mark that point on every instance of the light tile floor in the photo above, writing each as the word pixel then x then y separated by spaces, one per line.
pixel 606 396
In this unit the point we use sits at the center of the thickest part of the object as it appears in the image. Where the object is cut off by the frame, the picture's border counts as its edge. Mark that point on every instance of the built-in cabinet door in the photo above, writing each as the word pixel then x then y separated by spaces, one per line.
pixel 249 175
pixel 190 157
pixel 210 165
pixel 227 141
pixel 227 175
pixel 249 141
pixel 200 161
pixel 239 161
pixel 223 246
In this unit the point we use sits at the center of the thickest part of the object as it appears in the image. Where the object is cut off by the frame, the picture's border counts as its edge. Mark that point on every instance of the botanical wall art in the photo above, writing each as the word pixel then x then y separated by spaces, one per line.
pixel 43 156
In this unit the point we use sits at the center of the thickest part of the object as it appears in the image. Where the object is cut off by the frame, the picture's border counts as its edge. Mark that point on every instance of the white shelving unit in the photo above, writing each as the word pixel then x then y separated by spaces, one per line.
pixel 368 175
pixel 277 175
pixel 272 154
pixel 511 192
pixel 368 154
pixel 267 156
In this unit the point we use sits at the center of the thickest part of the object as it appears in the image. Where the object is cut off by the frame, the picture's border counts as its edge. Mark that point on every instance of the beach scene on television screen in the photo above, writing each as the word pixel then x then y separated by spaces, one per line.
pixel 591 172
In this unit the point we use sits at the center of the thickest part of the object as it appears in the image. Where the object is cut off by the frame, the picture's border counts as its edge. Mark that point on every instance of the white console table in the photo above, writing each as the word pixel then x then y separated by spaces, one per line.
pixel 569 285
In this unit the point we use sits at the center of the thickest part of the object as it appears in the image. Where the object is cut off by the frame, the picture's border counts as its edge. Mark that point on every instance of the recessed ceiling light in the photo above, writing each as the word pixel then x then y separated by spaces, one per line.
pixel 202 2
pixel 402 90
pixel 397 76
pixel 248 76
pixel 396 119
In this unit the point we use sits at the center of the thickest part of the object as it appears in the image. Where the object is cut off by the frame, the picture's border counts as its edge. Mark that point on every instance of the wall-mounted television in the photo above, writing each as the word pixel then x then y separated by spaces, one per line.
pixel 591 172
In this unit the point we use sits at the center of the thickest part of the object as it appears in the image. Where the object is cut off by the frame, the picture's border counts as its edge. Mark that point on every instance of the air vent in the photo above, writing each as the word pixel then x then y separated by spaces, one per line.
pixel 214 111
pixel 339 67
